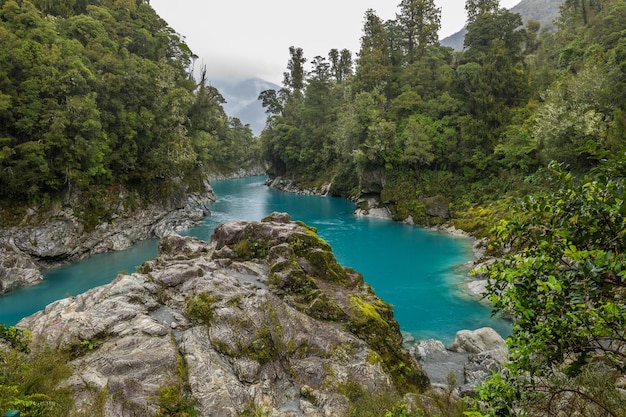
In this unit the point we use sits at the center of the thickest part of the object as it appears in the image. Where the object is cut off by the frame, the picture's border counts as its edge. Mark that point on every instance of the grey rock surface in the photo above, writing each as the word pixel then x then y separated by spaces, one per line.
pixel 262 318
pixel 470 359
pixel 16 269
pixel 58 236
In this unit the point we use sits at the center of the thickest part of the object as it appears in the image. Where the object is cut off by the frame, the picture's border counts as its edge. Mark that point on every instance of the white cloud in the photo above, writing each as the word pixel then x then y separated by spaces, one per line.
pixel 251 38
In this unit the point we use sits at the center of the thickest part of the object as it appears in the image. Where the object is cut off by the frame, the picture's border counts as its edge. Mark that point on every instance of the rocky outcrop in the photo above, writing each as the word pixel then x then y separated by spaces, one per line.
pixel 16 269
pixel 372 182
pixel 261 318
pixel 470 359
pixel 371 207
pixel 238 173
pixel 437 206
pixel 290 186
pixel 59 235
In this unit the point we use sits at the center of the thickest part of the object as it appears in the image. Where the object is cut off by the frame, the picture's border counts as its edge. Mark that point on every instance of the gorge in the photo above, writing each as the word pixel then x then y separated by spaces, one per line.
pixel 420 272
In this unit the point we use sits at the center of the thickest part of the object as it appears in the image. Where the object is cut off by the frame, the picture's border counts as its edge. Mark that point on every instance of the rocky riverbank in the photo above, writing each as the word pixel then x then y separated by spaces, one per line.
pixel 59 235
pixel 287 185
pixel 468 361
pixel 261 318
pixel 239 173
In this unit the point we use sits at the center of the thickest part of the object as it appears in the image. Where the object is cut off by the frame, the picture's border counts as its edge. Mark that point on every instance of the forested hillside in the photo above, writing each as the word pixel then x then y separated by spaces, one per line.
pixel 98 94
pixel 524 126
pixel 468 126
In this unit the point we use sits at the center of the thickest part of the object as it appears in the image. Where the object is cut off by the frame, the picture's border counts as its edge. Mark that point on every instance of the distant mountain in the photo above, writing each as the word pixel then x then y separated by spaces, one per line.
pixel 242 99
pixel 455 41
pixel 543 11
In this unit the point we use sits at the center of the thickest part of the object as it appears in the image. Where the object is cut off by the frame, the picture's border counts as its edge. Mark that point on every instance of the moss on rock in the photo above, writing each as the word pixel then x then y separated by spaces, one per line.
pixel 371 319
pixel 202 308
pixel 305 274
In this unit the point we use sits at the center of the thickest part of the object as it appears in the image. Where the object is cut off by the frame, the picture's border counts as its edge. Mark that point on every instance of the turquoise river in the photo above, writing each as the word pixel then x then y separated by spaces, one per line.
pixel 420 272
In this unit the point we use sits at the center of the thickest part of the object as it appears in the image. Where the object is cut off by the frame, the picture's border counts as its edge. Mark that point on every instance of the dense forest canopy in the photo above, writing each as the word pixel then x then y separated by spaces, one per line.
pixel 100 93
pixel 460 124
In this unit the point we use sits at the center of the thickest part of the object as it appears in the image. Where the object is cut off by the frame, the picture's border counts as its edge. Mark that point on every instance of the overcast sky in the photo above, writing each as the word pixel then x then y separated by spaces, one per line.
pixel 251 38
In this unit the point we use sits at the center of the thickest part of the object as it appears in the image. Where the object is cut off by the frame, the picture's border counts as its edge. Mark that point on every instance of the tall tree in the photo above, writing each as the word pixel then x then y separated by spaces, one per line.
pixel 418 21
pixel 500 26
pixel 475 8
pixel 582 9
pixel 295 77
pixel 374 65
pixel 341 64
pixel 493 78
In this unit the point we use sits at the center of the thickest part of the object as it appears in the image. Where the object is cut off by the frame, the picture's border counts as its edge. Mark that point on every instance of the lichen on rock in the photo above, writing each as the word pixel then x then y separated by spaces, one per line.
pixel 274 323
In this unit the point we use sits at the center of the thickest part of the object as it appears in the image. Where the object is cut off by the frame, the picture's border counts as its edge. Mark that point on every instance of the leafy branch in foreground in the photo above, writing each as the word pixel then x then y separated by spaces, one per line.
pixel 32 382
pixel 564 283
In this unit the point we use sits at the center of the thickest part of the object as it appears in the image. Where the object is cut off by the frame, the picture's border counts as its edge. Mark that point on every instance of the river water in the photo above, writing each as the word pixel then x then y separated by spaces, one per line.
pixel 419 272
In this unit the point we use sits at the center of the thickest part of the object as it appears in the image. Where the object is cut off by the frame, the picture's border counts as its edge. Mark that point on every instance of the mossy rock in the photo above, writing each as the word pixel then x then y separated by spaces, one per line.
pixel 202 308
pixel 288 277
pixel 277 217
pixel 372 320
pixel 301 242
pixel 175 246
pixel 323 308
pixel 437 206
pixel 247 250
pixel 323 264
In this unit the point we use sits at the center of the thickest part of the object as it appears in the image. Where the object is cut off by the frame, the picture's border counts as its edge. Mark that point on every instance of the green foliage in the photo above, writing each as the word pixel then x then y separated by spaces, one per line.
pixel 246 250
pixel 480 122
pixel 563 283
pixel 202 308
pixel 418 23
pixel 94 95
pixel 32 382
pixel 16 338
pixel 173 402
pixel 391 404
pixel 366 404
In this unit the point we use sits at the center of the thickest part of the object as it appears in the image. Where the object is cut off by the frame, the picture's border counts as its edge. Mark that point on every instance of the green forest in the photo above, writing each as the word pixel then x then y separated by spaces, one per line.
pixel 467 125
pixel 521 136
pixel 100 95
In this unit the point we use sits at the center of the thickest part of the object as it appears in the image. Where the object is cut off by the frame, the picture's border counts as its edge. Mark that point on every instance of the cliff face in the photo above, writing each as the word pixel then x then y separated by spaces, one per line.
pixel 59 235
pixel 260 318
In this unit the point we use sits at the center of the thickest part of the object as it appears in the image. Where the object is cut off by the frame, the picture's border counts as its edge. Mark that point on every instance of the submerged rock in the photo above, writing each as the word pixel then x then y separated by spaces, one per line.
pixel 260 318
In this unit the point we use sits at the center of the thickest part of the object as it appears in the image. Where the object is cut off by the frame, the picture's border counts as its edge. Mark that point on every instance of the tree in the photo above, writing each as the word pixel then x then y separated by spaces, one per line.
pixel 99 93
pixel 374 66
pixel 571 125
pixel 582 9
pixel 271 102
pixel 493 77
pixel 475 8
pixel 564 283
pixel 419 21
pixel 500 26
pixel 418 140
pixel 294 79
pixel 341 64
